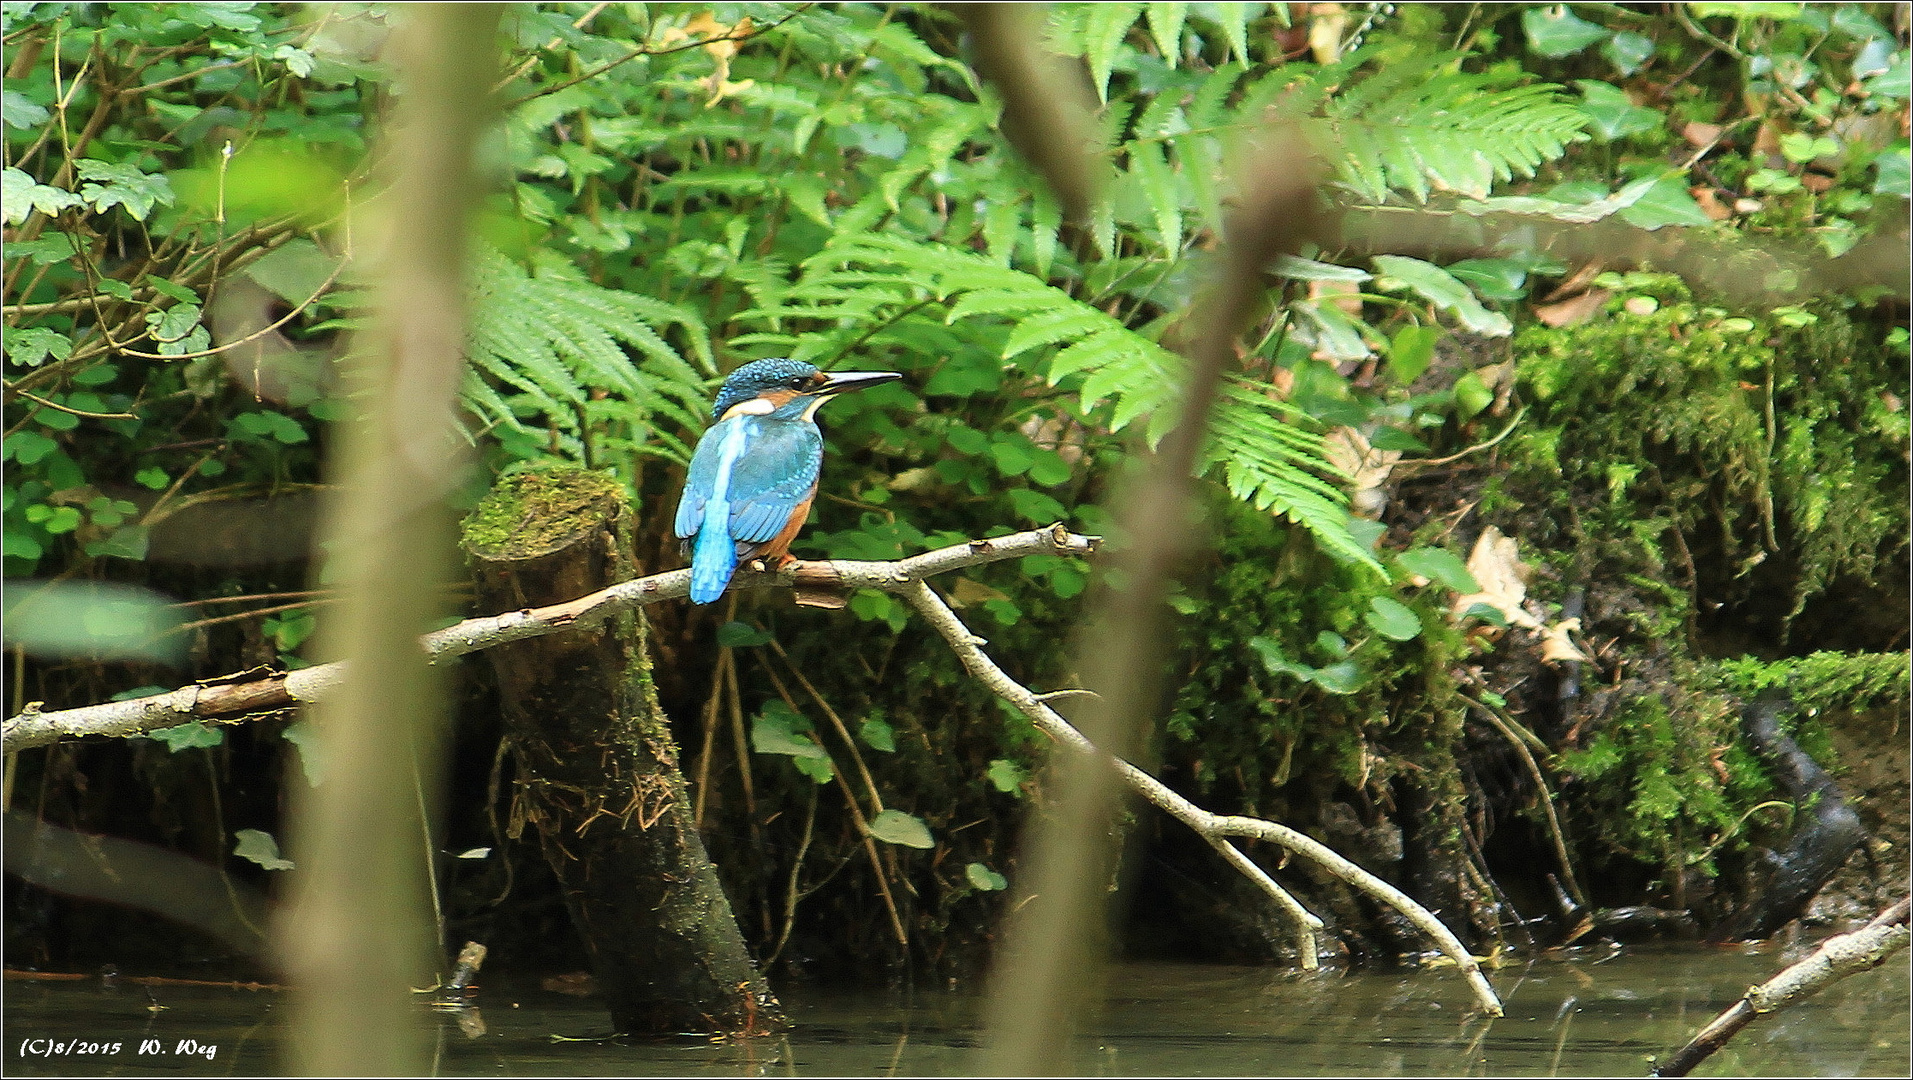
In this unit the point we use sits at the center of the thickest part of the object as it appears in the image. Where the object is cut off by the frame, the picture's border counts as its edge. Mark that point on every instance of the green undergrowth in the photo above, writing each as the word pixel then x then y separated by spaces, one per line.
pixel 1715 442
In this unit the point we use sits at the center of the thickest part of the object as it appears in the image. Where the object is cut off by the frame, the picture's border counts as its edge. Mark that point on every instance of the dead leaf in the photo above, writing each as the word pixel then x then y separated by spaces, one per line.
pixel 1326 23
pixel 1573 311
pixel 1496 564
pixel 1576 282
pixel 1346 295
pixel 967 593
pixel 1366 467
pixel 705 25
pixel 1710 204
pixel 1555 645
pixel 1698 134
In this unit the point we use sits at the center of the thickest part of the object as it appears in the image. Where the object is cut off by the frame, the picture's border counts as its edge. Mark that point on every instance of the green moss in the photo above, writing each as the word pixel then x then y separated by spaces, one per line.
pixel 532 512
pixel 1753 436
pixel 1823 681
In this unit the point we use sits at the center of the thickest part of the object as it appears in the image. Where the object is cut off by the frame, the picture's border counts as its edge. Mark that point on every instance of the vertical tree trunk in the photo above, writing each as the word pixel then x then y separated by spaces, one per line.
pixel 597 767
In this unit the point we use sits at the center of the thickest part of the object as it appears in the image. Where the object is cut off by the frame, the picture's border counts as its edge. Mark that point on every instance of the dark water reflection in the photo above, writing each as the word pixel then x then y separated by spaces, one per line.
pixel 1589 1015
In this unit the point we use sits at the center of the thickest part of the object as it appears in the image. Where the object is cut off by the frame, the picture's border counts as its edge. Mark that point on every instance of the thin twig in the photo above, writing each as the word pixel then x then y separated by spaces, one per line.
pixel 645 50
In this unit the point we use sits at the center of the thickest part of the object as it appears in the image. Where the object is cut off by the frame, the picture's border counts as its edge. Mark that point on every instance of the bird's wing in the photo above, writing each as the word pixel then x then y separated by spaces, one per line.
pixel 776 472
pixel 699 483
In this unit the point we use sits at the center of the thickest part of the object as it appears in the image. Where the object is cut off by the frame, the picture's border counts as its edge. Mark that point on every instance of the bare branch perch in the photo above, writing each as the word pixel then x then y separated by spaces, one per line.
pixel 225 699
pixel 1215 828
pixel 1836 958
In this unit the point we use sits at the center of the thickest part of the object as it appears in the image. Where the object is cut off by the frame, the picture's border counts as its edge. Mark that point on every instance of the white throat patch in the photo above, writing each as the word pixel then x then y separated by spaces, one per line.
pixel 753 407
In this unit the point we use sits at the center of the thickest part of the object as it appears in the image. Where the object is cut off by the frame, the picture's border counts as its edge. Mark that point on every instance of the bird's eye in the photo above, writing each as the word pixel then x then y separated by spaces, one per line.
pixel 798 383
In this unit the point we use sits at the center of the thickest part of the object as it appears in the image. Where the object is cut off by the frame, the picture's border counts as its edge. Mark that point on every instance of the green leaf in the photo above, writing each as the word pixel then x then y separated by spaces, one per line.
pixel 1895 172
pixel 1471 396
pixel 1439 565
pixel 897 827
pixel 1614 114
pixel 1103 30
pixel 737 635
pixel 985 879
pixel 260 847
pixel 293 271
pixel 1627 52
pixel 1277 662
pixel 21 195
pixel 305 740
pixel 1495 279
pixel 189 736
pixel 27 446
pixel 1442 289
pixel 1165 26
pixel 878 734
pixel 128 542
pixel 20 111
pixel 1392 619
pixel 774 732
pixel 85 619
pixel 152 477
pixel 267 423
pixel 1554 31
pixel 1342 678
pixel 30 346
pixel 1665 203
pixel 1007 776
pixel 117 184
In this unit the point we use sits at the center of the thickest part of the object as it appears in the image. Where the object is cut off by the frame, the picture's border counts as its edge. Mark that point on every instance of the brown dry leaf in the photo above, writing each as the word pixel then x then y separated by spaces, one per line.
pixel 1326 23
pixel 1818 183
pixel 1555 645
pixel 705 25
pixel 1346 295
pixel 1576 282
pixel 1496 565
pixel 967 593
pixel 1366 467
pixel 1698 134
pixel 1574 310
pixel 1710 204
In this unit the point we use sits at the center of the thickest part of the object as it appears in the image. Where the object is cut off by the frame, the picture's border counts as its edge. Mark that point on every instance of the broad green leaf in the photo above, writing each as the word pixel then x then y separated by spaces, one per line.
pixel 1439 565
pixel 188 736
pixel 84 619
pixel 1007 776
pixel 1627 52
pixel 1342 678
pixel 1666 202
pixel 305 740
pixel 30 346
pixel 1614 114
pixel 737 635
pixel 1496 279
pixel 878 734
pixel 20 111
pixel 115 184
pixel 985 879
pixel 260 847
pixel 1442 289
pixel 1894 174
pixel 897 827
pixel 1410 352
pixel 1471 396
pixel 1392 619
pixel 1554 31
pixel 293 271
pixel 20 195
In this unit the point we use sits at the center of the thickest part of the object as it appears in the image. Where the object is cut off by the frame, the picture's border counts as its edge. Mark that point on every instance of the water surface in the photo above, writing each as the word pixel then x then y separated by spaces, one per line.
pixel 1595 1013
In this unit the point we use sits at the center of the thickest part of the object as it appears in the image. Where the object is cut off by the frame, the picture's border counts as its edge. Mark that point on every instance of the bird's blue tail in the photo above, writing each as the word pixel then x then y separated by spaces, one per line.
pixel 713 559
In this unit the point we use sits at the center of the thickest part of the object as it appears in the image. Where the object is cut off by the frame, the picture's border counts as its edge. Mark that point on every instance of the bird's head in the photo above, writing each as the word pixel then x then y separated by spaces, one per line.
pixel 788 389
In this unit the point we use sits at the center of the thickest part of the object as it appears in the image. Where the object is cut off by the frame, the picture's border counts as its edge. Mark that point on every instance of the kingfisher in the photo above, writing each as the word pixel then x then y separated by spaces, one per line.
pixel 754 473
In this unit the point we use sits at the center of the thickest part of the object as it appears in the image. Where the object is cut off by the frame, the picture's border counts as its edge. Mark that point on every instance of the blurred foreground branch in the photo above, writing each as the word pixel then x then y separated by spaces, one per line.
pixel 359 932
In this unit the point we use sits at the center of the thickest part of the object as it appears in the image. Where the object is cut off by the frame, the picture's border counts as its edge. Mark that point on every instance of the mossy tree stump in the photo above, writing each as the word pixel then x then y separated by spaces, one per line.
pixel 598 769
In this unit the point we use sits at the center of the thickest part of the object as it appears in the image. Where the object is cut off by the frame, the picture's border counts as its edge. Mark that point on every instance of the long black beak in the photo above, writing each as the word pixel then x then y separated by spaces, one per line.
pixel 842 382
